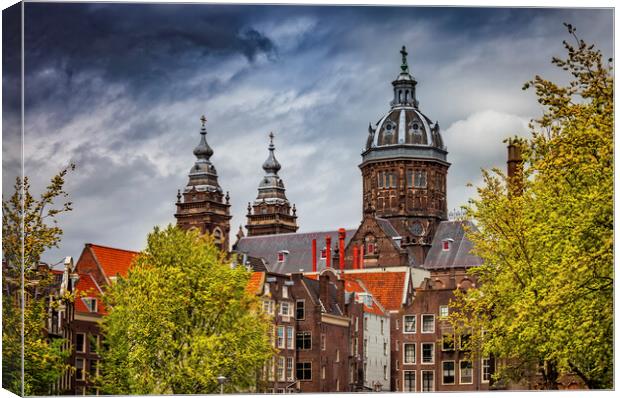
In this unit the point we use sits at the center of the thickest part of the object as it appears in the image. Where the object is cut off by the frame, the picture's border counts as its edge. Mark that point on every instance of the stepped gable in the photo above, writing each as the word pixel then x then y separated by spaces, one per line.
pixel 298 246
pixel 458 255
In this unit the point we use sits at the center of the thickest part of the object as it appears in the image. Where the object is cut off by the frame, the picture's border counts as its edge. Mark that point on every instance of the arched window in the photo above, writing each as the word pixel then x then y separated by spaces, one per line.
pixel 217 235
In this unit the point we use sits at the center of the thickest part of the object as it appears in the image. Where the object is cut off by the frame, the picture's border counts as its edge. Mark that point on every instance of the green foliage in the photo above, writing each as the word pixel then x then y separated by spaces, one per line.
pixel 44 360
pixel 545 296
pixel 180 319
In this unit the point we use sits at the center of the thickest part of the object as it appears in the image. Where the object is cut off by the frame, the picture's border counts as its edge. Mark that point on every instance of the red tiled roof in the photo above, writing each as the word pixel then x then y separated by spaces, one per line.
pixel 87 287
pixel 375 309
pixel 255 282
pixel 113 261
pixel 351 285
pixel 386 287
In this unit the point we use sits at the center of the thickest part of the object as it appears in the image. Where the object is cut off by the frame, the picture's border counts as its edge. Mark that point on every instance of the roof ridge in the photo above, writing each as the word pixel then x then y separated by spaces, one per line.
pixel 297 233
pixel 113 248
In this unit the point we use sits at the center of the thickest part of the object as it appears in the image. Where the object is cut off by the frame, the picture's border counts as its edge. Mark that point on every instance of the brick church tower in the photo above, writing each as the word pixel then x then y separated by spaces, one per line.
pixel 271 212
pixel 202 204
pixel 404 168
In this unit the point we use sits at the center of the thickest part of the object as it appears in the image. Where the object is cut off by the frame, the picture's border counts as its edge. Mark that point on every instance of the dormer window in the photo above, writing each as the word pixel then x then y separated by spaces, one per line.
pixel 282 256
pixel 446 244
pixel 91 303
pixel 323 254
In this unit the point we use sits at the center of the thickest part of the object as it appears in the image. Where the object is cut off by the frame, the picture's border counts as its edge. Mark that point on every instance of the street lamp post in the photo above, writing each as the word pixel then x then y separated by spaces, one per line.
pixel 221 380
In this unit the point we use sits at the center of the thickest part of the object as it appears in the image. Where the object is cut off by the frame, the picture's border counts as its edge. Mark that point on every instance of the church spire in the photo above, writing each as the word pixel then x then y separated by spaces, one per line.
pixel 404 85
pixel 271 212
pixel 271 165
pixel 203 151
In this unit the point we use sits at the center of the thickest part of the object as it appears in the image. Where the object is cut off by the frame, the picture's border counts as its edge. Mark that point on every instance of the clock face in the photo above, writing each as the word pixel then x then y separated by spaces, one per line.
pixel 417 229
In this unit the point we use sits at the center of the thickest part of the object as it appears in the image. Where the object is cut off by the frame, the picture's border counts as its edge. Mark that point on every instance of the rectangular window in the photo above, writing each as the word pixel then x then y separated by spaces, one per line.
pixel 365 352
pixel 409 323
pixel 397 324
pixel 397 364
pixel 420 179
pixel 272 332
pixel 91 303
pixel 465 372
pixel 280 368
pixel 323 342
pixel 280 338
pixel 304 341
pixel 356 345
pixel 428 323
pixel 268 307
pixel 385 348
pixel 285 292
pixel 428 380
pixel 337 355
pixel 446 245
pixel 323 254
pixel 486 370
pixel 93 344
pixel 289 368
pixel 385 377
pixel 280 257
pixel 285 309
pixel 447 372
pixel 443 311
pixel 409 352
pixel 447 342
pixel 304 370
pixel 323 372
pixel 80 342
pixel 382 326
pixel 365 323
pixel 79 368
pixel 428 353
pixel 409 178
pixel 464 342
pixel 290 342
pixel 409 380
pixel 280 390
pixel 301 310
pixel 93 368
pixel 271 364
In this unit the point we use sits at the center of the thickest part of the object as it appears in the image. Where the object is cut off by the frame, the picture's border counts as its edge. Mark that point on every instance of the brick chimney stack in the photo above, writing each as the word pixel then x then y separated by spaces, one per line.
pixel 515 166
pixel 328 251
pixel 342 233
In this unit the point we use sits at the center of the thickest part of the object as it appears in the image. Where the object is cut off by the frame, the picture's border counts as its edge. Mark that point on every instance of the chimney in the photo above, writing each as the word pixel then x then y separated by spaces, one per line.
pixel 313 255
pixel 515 166
pixel 361 263
pixel 324 290
pixel 356 257
pixel 342 233
pixel 328 251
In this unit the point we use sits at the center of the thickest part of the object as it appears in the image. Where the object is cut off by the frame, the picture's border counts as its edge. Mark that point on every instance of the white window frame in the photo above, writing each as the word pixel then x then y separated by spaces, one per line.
pixel 453 370
pixel 447 310
pixel 415 323
pixel 281 339
pixel 415 353
pixel 422 323
pixel 422 380
pixel 83 368
pixel 268 306
pixel 290 337
pixel 288 308
pixel 415 381
pixel 281 376
pixel 290 371
pixel 471 373
pixel 482 366
pixel 432 362
pixel 77 348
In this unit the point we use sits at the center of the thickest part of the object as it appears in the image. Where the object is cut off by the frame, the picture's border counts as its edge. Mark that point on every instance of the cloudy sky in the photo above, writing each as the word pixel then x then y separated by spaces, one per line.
pixel 119 90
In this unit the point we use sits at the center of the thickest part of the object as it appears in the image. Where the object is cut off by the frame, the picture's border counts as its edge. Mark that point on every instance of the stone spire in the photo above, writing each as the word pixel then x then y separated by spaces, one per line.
pixel 270 213
pixel 202 204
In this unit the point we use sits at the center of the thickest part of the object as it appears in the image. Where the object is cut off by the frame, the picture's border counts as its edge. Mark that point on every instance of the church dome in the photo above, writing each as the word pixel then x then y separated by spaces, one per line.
pixel 404 131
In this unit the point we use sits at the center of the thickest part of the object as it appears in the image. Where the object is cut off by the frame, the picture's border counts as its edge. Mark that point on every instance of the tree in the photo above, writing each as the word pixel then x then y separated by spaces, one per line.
pixel 29 227
pixel 180 319
pixel 545 292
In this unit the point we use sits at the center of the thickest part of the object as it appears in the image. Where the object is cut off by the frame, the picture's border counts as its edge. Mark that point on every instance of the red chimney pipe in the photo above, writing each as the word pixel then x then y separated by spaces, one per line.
pixel 328 251
pixel 342 233
pixel 313 255
pixel 356 257
pixel 361 264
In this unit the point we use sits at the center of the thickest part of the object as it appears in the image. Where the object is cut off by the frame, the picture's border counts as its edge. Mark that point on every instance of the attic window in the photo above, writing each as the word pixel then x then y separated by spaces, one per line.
pixel 91 303
pixel 323 253
pixel 446 243
pixel 281 256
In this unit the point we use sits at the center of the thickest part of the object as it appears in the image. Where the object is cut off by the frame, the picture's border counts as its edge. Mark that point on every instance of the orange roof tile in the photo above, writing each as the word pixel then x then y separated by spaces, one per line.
pixel 87 287
pixel 113 261
pixel 386 287
pixel 255 282
pixel 351 285
pixel 375 309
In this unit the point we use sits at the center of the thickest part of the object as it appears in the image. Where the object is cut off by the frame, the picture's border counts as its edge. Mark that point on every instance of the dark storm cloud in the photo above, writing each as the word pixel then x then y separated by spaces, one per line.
pixel 119 88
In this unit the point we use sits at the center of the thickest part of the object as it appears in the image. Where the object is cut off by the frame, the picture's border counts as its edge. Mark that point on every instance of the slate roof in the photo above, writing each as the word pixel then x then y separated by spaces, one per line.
pixel 459 254
pixel 389 230
pixel 332 306
pixel 299 246
pixel 113 261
